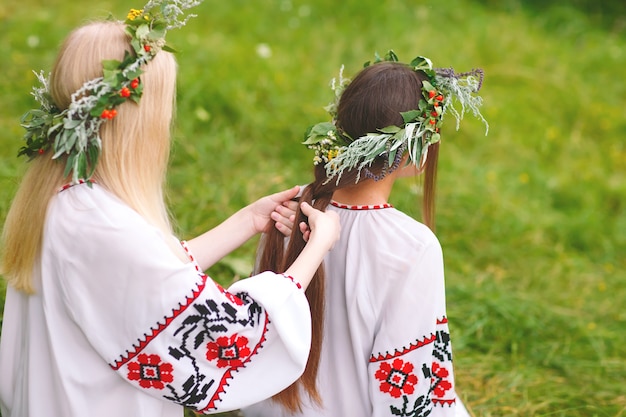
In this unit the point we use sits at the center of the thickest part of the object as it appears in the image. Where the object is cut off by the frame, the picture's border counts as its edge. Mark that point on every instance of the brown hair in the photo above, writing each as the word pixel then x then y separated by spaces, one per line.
pixel 373 100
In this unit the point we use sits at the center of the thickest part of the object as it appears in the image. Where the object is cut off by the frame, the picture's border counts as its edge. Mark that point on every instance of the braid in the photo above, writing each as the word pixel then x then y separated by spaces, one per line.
pixel 275 257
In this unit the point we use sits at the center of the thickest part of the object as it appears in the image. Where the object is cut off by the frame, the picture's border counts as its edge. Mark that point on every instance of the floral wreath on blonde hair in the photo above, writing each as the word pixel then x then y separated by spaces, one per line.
pixel 75 131
pixel 443 87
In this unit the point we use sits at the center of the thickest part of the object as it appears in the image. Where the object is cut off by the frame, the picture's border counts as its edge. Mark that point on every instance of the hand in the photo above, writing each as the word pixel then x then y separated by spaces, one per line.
pixel 276 207
pixel 284 216
pixel 324 226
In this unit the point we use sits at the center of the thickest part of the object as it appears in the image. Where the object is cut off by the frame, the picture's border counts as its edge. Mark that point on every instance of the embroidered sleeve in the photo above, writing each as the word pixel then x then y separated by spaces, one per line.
pixel 170 331
pixel 410 369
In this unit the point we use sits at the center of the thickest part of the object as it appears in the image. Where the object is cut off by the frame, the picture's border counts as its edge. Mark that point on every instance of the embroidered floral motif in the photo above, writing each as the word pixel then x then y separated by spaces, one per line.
pixel 396 378
pixel 211 329
pixel 440 385
pixel 400 369
pixel 150 371
pixel 229 351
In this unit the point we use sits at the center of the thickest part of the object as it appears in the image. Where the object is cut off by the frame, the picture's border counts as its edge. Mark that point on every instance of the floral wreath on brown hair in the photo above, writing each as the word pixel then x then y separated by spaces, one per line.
pixel 75 131
pixel 443 87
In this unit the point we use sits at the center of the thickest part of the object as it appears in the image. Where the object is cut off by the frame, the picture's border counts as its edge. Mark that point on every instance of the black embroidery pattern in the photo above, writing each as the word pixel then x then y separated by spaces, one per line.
pixel 210 321
pixel 397 376
pixel 210 329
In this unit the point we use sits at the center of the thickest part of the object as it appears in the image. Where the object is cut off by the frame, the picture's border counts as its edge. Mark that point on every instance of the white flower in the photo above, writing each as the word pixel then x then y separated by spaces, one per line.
pixel 263 50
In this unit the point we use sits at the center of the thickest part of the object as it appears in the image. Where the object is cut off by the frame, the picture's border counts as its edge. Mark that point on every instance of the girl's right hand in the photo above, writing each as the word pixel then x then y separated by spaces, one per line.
pixel 324 226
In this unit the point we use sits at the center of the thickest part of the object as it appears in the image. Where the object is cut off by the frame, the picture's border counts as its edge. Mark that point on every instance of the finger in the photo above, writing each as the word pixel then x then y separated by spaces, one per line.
pixel 286 231
pixel 291 205
pixel 280 218
pixel 306 231
pixel 306 208
pixel 286 194
pixel 286 211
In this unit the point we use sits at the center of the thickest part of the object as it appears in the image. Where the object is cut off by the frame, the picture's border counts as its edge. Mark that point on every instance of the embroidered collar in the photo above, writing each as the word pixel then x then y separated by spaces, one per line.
pixel 71 184
pixel 360 207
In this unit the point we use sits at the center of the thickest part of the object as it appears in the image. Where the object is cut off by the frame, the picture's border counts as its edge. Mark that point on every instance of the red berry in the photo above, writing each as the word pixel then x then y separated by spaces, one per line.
pixel 134 83
pixel 431 93
pixel 125 92
pixel 108 114
pixel 432 121
pixel 40 151
pixel 146 48
pixel 434 114
pixel 439 97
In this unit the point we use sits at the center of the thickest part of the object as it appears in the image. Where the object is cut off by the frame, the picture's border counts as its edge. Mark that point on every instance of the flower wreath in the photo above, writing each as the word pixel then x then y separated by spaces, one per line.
pixel 338 152
pixel 75 131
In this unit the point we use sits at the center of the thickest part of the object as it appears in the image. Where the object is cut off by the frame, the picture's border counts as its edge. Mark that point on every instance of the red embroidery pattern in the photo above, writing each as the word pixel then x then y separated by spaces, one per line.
pixel 438 380
pixel 398 375
pixel 160 326
pixel 70 185
pixel 289 277
pixel 418 344
pixel 397 378
pixel 357 207
pixel 229 351
pixel 150 371
pixel 228 374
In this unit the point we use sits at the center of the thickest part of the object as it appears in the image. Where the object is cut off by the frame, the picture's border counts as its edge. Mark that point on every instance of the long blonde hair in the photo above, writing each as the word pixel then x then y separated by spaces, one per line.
pixel 135 146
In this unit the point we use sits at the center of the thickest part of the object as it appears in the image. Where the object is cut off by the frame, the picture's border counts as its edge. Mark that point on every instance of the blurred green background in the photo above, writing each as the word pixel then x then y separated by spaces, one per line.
pixel 531 217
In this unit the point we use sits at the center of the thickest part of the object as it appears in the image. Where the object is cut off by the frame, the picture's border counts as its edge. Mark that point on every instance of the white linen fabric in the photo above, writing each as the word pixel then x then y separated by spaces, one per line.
pixel 386 349
pixel 120 326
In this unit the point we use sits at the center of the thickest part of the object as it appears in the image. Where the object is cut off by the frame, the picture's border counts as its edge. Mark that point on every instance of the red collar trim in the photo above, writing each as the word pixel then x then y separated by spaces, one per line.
pixel 71 184
pixel 357 207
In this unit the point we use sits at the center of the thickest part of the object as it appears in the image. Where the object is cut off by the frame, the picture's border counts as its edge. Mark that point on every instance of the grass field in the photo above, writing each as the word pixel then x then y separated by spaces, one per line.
pixel 531 217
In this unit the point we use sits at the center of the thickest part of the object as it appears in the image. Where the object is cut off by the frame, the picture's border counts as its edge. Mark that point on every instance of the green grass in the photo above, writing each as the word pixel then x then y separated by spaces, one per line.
pixel 531 217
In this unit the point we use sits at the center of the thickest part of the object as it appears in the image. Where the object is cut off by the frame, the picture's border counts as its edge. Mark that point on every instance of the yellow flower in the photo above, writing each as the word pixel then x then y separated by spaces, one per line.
pixel 332 154
pixel 134 13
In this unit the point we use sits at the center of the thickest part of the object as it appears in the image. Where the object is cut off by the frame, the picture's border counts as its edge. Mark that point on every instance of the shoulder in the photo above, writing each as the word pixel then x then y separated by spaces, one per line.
pixel 83 203
pixel 82 218
pixel 409 234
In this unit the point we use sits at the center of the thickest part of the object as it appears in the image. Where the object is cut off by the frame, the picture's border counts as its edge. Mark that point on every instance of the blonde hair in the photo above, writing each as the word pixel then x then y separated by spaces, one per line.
pixel 135 146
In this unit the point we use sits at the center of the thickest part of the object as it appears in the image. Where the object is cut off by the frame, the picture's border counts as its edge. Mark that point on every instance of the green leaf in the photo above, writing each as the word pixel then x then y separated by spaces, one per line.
pixel 318 132
pixel 81 165
pixel 142 31
pixel 110 64
pixel 53 128
pixel 71 140
pixel 69 165
pixel 111 77
pixel 409 116
pixel 427 86
pixel 168 48
pixel 392 156
pixel 391 56
pixel 156 33
pixel 390 129
pixel 93 152
pixel 421 63
pixel 131 75
pixel 70 123
pixel 136 45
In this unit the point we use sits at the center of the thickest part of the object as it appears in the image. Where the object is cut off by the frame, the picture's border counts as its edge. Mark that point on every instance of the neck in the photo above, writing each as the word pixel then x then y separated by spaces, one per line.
pixel 366 193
